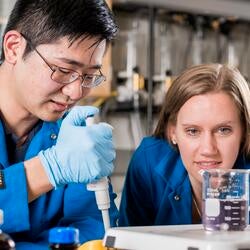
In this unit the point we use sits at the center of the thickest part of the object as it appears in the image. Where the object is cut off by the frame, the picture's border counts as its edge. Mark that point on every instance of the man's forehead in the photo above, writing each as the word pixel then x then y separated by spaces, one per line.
pixel 89 42
pixel 87 53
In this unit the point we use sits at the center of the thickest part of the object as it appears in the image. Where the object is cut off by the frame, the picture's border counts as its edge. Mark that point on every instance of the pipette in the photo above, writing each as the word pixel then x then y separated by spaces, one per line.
pixel 101 189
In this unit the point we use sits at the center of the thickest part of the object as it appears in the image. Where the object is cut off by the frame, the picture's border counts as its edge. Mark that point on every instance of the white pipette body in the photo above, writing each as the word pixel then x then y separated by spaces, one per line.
pixel 101 189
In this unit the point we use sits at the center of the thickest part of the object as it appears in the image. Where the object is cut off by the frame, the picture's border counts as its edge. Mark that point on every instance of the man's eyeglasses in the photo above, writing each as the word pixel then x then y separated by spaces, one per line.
pixel 66 76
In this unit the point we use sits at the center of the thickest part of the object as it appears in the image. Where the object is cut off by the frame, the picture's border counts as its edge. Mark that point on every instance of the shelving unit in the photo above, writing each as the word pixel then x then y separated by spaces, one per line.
pixel 238 8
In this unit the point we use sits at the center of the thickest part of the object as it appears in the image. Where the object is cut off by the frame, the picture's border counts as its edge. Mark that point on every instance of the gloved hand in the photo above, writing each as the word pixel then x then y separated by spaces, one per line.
pixel 82 153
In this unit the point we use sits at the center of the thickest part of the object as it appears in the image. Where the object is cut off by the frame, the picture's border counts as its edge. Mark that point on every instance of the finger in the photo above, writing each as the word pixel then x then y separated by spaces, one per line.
pixel 79 114
pixel 102 129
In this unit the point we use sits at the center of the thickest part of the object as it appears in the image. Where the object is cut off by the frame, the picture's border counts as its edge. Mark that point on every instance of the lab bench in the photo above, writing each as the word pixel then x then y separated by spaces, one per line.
pixel 178 237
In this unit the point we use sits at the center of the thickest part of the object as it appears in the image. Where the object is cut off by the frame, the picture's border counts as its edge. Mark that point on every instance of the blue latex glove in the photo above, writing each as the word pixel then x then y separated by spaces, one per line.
pixel 82 153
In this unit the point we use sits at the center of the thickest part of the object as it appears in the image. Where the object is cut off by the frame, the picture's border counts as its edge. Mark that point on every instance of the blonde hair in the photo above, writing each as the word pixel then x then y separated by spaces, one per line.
pixel 202 79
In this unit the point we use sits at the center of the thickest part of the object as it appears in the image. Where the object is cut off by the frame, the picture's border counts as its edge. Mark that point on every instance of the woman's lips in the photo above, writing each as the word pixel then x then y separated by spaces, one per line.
pixel 207 164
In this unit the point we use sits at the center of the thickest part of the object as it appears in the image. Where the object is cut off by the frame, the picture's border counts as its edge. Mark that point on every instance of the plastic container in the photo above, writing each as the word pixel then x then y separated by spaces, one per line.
pixel 64 238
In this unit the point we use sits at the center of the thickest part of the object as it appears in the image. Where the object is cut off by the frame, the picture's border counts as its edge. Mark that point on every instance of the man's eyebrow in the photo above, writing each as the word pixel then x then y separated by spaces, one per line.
pixel 79 64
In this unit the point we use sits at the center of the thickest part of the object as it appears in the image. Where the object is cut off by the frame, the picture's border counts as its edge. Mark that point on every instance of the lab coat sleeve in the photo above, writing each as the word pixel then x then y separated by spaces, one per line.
pixel 81 211
pixel 137 206
pixel 14 199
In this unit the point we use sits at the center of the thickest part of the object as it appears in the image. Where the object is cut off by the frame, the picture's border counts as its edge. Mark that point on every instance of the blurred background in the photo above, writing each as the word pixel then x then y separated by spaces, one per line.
pixel 156 41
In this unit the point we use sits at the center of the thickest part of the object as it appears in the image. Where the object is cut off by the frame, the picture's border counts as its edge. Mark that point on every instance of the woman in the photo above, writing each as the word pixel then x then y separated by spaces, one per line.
pixel 203 124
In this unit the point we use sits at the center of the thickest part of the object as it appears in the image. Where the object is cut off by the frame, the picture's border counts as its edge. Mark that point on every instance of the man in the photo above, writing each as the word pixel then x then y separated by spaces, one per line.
pixel 52 53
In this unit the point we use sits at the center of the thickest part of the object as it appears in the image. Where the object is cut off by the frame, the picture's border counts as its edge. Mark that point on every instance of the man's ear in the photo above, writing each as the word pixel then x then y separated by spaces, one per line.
pixel 12 46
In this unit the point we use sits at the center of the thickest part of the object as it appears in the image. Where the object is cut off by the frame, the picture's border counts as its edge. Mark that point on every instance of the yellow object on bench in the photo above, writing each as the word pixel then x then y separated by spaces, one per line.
pixel 93 245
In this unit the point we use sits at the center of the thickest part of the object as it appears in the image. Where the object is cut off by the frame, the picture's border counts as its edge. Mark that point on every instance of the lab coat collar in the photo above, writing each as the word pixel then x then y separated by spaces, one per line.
pixel 48 128
pixel 4 162
pixel 175 173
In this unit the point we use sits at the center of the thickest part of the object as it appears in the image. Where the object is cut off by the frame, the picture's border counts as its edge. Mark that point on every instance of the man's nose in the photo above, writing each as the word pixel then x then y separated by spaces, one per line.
pixel 74 90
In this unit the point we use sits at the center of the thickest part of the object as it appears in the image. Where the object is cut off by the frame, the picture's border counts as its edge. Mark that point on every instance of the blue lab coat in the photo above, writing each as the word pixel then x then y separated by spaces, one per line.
pixel 157 188
pixel 28 223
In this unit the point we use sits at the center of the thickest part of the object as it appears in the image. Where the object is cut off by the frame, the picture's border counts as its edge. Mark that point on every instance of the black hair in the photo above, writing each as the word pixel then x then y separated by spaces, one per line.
pixel 45 21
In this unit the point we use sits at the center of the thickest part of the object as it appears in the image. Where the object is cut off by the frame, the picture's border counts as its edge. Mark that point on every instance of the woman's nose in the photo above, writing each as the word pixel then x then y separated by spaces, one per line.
pixel 208 145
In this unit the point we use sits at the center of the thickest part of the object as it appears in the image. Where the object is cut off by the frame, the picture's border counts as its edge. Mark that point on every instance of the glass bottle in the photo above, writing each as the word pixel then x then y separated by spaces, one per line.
pixel 6 242
pixel 64 238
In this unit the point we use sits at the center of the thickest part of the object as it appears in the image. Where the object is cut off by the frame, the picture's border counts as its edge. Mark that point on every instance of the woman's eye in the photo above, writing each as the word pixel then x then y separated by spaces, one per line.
pixel 192 131
pixel 224 130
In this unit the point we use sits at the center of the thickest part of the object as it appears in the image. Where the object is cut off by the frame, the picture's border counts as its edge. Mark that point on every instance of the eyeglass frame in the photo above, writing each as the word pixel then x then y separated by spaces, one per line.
pixel 54 68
